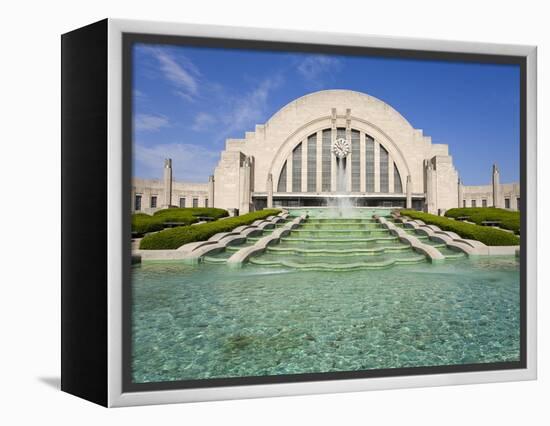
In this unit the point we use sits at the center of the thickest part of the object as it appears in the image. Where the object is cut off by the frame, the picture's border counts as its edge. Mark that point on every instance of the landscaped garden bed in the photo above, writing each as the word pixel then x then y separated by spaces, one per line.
pixel 487 235
pixel 143 223
pixel 506 219
pixel 170 239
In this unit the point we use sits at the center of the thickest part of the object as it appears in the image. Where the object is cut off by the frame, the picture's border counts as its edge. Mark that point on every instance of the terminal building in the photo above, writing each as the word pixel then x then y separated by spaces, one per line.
pixel 324 147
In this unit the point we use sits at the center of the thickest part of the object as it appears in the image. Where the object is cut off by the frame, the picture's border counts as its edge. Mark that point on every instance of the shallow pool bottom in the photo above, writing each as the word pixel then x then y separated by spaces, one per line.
pixel 210 321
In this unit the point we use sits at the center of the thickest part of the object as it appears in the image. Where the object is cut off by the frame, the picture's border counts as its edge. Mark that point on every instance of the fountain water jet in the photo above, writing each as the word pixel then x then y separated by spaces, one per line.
pixel 343 203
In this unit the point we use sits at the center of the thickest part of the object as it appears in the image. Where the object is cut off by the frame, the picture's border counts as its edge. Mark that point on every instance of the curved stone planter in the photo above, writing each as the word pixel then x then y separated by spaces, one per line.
pixel 193 252
pixel 223 239
pixel 244 254
pixel 455 241
pixel 430 252
pixel 196 255
pixel 451 239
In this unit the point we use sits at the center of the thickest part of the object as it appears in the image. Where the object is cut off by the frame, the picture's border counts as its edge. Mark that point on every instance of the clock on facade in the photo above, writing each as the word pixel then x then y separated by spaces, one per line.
pixel 341 147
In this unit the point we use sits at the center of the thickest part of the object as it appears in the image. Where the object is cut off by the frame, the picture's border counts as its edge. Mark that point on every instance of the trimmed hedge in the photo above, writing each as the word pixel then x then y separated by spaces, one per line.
pixel 143 223
pixel 485 234
pixel 508 219
pixel 171 239
pixel 181 214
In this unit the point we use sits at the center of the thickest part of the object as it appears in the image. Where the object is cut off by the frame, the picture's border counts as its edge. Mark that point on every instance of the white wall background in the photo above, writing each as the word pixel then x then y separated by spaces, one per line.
pixel 30 199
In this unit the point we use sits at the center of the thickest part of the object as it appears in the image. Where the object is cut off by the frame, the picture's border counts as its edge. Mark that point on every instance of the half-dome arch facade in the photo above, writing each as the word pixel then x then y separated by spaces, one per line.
pixel 336 143
pixel 323 147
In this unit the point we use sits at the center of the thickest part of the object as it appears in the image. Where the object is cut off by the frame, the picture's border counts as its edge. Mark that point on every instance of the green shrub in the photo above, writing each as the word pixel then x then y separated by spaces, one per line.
pixel 143 223
pixel 170 239
pixel 487 235
pixel 508 219
pixel 183 214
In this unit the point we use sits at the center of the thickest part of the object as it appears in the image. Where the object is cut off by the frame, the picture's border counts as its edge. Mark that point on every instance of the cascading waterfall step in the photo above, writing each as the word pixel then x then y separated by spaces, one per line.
pixel 213 259
pixel 236 247
pixel 436 244
pixel 451 254
pixel 338 252
pixel 343 226
pixel 223 255
pixel 419 236
pixel 338 232
pixel 337 241
pixel 338 244
pixel 322 264
pixel 218 257
pixel 335 244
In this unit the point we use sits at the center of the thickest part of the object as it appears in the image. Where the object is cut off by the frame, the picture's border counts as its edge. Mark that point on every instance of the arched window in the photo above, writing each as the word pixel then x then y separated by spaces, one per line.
pixel 397 184
pixel 355 161
pixel 297 169
pixel 384 178
pixel 281 186
pixel 317 159
pixel 326 161
pixel 341 181
pixel 312 163
pixel 369 153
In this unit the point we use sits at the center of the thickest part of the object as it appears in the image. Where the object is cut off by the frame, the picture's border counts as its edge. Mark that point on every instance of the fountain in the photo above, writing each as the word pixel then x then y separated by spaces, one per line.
pixel 319 290
pixel 341 237
pixel 341 148
pixel 343 202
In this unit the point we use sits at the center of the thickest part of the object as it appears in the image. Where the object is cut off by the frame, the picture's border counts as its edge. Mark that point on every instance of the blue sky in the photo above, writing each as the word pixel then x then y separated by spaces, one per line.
pixel 187 101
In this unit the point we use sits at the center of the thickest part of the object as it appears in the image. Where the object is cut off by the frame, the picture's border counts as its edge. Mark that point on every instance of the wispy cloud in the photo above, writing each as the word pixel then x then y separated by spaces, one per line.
pixel 244 112
pixel 218 110
pixel 192 163
pixel 138 94
pixel 203 121
pixel 180 71
pixel 317 70
pixel 150 123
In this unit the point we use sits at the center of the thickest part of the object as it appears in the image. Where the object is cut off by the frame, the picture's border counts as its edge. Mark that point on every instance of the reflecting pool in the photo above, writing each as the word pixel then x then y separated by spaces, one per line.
pixel 211 321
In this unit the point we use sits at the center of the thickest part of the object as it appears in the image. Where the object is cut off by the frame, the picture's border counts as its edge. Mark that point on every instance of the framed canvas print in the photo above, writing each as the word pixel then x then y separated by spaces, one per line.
pixel 253 213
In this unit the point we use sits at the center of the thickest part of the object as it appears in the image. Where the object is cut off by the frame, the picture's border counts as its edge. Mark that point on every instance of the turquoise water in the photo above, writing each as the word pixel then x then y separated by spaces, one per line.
pixel 209 321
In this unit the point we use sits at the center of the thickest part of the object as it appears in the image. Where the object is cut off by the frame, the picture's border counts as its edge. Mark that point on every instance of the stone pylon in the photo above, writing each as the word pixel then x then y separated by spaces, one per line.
pixel 496 187
pixel 269 191
pixel 460 193
pixel 211 191
pixel 245 181
pixel 430 190
pixel 409 192
pixel 167 182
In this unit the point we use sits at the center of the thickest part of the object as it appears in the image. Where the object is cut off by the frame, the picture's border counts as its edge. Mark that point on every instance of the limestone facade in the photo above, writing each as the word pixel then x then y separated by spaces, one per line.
pixel 183 194
pixel 294 160
pixel 482 195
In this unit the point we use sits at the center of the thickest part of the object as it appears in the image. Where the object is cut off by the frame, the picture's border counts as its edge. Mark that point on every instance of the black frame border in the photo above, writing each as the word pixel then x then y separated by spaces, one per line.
pixel 128 41
pixel 84 151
